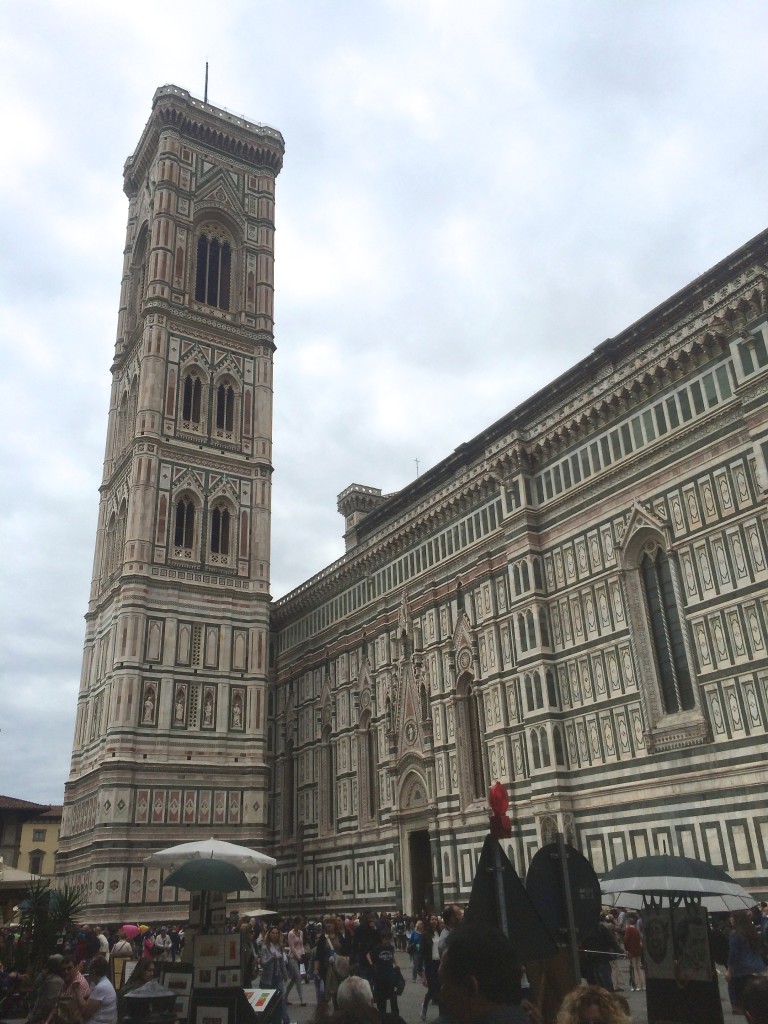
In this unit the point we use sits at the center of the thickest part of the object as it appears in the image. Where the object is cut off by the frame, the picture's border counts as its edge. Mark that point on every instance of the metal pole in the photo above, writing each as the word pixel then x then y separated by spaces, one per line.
pixel 501 902
pixel 573 940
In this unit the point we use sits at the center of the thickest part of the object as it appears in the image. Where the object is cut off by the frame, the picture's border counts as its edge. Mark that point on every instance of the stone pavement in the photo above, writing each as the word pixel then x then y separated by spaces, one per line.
pixel 410 1001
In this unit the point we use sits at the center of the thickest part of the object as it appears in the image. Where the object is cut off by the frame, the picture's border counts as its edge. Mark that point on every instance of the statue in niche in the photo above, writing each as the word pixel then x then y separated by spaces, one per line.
pixel 178 708
pixel 237 714
pixel 148 715
pixel 208 710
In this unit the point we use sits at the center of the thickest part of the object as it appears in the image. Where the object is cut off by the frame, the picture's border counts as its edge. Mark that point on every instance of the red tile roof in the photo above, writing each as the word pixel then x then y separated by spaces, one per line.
pixel 11 803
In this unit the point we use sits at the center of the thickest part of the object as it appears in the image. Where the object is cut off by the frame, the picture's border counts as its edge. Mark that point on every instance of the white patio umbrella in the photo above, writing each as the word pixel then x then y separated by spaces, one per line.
pixel 664 876
pixel 212 849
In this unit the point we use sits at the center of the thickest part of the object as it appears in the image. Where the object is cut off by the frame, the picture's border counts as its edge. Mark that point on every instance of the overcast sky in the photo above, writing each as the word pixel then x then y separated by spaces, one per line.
pixel 473 197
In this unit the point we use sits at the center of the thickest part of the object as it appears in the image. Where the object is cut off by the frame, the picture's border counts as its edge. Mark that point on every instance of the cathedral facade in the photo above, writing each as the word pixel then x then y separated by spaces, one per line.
pixel 574 602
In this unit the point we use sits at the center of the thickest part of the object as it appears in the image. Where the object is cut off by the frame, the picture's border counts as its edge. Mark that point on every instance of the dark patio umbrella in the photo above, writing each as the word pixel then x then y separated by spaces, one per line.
pixel 216 875
pixel 658 876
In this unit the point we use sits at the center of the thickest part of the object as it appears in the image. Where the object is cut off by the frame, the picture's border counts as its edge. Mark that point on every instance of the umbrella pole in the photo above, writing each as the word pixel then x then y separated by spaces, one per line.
pixel 573 940
pixel 501 902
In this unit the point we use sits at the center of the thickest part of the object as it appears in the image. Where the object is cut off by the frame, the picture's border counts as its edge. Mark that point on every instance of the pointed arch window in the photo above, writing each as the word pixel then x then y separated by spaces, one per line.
pixel 214 270
pixel 472 729
pixel 225 407
pixel 220 530
pixel 184 527
pixel 666 632
pixel 191 394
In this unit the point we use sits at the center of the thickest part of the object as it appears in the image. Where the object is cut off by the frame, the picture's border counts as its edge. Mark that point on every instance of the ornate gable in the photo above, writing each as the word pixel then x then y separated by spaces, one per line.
pixel 218 192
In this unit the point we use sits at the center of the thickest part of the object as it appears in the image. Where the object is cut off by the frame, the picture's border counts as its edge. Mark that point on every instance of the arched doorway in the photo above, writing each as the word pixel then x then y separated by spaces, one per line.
pixel 416 843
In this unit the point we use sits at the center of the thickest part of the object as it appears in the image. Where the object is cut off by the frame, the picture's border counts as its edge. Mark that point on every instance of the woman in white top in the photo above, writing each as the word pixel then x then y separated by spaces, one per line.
pixel 101 1005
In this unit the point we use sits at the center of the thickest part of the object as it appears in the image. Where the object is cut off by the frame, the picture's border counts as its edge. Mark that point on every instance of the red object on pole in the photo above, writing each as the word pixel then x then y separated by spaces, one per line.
pixel 501 826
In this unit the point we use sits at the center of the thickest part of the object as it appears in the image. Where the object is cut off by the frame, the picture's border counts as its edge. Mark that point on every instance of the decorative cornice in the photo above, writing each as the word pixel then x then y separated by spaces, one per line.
pixel 250 144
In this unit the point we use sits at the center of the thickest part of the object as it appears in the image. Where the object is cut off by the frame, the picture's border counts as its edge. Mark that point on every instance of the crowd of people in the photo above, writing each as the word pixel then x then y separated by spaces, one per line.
pixel 349 964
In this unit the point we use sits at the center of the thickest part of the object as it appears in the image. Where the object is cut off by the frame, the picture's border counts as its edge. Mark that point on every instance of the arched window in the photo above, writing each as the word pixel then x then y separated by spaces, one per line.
pixel 470 709
pixel 289 791
pixel 184 528
pixel 368 764
pixel 192 389
pixel 551 690
pixel 122 423
pixel 537 580
pixel 543 628
pixel 516 579
pixel 531 628
pixel 526 577
pixel 521 631
pixel 225 407
pixel 327 782
pixel 546 760
pixel 220 523
pixel 537 690
pixel 529 693
pixel 214 270
pixel 559 747
pixel 535 751
pixel 667 633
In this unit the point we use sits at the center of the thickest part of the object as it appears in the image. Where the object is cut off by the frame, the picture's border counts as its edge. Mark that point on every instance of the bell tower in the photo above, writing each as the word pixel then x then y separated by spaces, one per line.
pixel 170 735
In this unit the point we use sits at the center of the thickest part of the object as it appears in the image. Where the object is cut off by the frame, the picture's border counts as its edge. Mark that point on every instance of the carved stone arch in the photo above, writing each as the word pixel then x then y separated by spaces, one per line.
pixel 642 527
pixel 224 488
pixel 215 193
pixel 413 794
pixel 229 366
pixel 188 481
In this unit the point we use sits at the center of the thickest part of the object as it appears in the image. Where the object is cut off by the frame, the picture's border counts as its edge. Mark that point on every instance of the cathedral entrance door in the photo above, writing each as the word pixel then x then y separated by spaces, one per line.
pixel 420 857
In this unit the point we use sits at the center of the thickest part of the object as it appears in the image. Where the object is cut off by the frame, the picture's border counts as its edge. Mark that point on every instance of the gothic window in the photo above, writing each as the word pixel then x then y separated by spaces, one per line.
pixel 543 628
pixel 328 782
pixel 289 790
pixel 535 751
pixel 537 690
pixel 526 577
pixel 190 399
pixel 666 632
pixel 214 270
pixel 522 633
pixel 473 732
pixel 184 524
pixel 516 579
pixel 138 279
pixel 551 690
pixel 559 747
pixel 220 530
pixel 225 407
pixel 538 582
pixel 122 423
pixel 368 768
pixel 546 760
pixel 531 628
pixel 529 693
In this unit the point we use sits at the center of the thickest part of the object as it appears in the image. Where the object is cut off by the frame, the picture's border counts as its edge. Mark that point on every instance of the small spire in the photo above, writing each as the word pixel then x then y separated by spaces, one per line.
pixel 205 97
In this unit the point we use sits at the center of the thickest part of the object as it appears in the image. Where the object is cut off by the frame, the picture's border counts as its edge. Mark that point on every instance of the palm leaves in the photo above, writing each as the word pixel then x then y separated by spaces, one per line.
pixel 46 914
